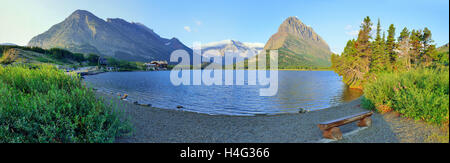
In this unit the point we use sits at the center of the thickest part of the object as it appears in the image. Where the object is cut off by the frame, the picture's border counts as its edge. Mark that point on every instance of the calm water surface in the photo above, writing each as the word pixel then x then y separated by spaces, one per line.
pixel 310 90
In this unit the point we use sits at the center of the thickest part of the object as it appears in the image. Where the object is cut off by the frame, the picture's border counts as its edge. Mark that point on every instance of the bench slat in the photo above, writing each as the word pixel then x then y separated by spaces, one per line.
pixel 344 120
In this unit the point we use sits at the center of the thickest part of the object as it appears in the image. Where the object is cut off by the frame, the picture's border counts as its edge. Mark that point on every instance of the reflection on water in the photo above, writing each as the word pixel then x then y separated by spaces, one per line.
pixel 297 89
pixel 350 94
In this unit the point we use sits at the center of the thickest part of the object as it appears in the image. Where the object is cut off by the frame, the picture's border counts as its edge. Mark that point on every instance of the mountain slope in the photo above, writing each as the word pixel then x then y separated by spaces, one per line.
pixel 84 32
pixel 443 48
pixel 299 46
pixel 21 55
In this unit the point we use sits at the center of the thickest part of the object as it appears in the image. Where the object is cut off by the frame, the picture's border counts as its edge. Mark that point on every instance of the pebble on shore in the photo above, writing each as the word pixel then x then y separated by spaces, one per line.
pixel 124 96
pixel 302 111
pixel 137 103
pixel 148 105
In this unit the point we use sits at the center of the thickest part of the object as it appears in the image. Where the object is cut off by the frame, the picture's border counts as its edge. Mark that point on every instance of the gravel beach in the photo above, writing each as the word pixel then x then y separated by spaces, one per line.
pixel 155 125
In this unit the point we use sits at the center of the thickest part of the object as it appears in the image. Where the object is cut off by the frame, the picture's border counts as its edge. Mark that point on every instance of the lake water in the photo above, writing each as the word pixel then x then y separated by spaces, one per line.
pixel 310 90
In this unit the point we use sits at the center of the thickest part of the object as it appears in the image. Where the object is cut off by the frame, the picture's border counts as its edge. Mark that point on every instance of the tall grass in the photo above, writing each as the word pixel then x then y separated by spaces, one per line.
pixel 421 94
pixel 42 104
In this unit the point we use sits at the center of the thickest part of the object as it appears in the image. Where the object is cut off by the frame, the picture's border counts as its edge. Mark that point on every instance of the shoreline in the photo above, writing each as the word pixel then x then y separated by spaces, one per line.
pixel 158 125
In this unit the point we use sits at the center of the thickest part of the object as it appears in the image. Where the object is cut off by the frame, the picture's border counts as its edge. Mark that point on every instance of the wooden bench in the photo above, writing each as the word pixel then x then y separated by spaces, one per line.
pixel 330 128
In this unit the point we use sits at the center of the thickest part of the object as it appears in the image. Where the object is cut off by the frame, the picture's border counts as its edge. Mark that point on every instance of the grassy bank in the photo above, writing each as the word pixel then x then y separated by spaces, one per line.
pixel 62 57
pixel 42 104
pixel 420 94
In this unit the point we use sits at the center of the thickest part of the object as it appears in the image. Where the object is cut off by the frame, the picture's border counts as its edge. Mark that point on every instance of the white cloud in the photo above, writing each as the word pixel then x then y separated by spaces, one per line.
pixel 350 31
pixel 336 51
pixel 254 44
pixel 187 28
pixel 198 22
pixel 348 27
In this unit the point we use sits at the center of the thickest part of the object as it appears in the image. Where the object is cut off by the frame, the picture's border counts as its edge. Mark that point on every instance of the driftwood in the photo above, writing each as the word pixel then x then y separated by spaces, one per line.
pixel 330 128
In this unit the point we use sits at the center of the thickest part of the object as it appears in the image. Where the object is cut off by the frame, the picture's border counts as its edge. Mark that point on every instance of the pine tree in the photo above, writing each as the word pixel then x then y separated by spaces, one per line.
pixel 363 44
pixel 363 59
pixel 390 43
pixel 378 62
pixel 428 48
pixel 347 65
pixel 378 36
pixel 404 34
pixel 355 60
pixel 416 46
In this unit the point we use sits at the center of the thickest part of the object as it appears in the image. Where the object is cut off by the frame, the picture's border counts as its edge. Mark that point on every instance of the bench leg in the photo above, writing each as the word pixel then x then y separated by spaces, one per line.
pixel 366 122
pixel 333 133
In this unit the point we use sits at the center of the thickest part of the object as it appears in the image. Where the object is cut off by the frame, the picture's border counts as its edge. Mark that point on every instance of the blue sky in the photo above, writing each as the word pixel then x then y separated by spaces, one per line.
pixel 245 20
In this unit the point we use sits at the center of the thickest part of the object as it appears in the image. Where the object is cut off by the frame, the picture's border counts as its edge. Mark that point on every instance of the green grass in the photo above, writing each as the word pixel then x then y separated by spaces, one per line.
pixel 420 94
pixel 42 104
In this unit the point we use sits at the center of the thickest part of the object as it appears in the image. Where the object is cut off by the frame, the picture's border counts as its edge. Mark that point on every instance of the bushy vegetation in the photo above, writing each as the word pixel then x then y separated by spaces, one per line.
pixel 124 65
pixel 42 104
pixel 442 54
pixel 421 94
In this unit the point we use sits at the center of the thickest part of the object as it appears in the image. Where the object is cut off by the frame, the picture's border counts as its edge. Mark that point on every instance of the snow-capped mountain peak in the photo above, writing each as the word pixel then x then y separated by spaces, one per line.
pixel 220 48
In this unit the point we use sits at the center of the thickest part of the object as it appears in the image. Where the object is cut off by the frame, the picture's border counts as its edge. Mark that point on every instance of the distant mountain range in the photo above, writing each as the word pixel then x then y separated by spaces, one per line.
pixel 84 32
pixel 8 44
pixel 231 48
pixel 221 48
pixel 299 45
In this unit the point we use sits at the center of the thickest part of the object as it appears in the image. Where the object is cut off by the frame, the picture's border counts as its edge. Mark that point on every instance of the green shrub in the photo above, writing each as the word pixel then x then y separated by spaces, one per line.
pixel 43 104
pixel 421 94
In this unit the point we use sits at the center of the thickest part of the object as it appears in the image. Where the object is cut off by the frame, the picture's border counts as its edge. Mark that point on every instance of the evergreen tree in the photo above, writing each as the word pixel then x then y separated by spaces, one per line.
pixel 404 34
pixel 416 46
pixel 390 43
pixel 363 44
pixel 378 61
pixel 363 59
pixel 354 63
pixel 428 48
pixel 378 35
pixel 348 65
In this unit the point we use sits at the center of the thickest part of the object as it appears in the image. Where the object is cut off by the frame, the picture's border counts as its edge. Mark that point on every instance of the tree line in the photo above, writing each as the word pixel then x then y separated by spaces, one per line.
pixel 366 56
pixel 56 53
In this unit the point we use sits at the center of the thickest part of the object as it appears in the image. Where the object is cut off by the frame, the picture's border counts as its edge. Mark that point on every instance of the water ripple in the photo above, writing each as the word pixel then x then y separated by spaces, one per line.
pixel 297 89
